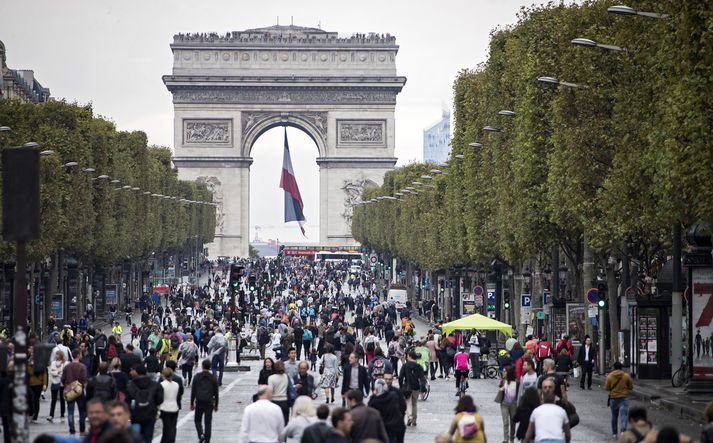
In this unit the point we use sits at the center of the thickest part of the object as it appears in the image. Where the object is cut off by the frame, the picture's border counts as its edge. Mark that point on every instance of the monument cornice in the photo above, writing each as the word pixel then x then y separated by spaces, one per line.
pixel 268 80
pixel 357 162
pixel 287 94
pixel 212 162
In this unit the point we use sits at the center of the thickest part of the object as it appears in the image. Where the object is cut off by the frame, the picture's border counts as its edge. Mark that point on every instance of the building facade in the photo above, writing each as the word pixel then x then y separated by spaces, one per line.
pixel 437 140
pixel 20 84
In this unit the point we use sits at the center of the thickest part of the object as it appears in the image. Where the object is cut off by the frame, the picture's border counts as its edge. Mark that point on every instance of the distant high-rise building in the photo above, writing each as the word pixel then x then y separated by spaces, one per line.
pixel 437 140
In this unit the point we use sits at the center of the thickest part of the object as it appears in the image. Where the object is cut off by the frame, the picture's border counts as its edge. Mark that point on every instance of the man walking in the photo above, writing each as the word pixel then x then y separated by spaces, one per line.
pixel 262 421
pixel 74 376
pixel 304 381
pixel 410 379
pixel 548 422
pixel 586 357
pixel 355 377
pixel 619 385
pixel 367 421
pixel 204 400
pixel 145 394
pixel 474 354
pixel 218 347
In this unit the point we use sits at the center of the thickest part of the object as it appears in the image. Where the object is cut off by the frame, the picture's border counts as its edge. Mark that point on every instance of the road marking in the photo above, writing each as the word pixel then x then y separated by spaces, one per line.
pixel 190 415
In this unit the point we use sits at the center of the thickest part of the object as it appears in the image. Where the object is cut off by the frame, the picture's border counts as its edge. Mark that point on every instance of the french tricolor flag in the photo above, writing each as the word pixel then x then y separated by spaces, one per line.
pixel 293 199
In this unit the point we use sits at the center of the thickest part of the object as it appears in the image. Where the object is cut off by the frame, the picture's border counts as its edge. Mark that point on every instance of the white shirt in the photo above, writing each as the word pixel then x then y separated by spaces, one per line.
pixel 170 396
pixel 586 353
pixel 61 348
pixel 549 420
pixel 528 381
pixel 262 423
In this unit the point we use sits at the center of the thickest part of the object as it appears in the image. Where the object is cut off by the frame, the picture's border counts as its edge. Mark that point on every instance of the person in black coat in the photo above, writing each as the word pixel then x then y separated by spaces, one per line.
pixel 362 385
pixel 392 408
pixel 586 357
pixel 529 400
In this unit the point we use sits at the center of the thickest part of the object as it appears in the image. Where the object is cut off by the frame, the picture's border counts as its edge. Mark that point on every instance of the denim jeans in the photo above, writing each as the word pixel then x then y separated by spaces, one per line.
pixel 218 365
pixel 619 411
pixel 81 403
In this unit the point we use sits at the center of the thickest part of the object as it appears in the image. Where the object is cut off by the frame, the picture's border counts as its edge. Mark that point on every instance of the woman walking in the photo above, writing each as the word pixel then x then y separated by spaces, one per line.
pixel 467 426
pixel 169 407
pixel 279 383
pixel 188 357
pixel 329 368
pixel 37 381
pixel 56 388
pixel 266 371
pixel 508 406
pixel 303 415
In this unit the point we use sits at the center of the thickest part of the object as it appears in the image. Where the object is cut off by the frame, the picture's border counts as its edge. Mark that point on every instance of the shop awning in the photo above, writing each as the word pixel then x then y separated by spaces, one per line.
pixel 476 321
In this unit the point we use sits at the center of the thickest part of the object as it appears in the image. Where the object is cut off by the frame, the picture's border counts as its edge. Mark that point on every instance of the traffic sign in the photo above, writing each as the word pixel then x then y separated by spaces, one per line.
pixel 540 315
pixel 545 297
pixel 478 290
pixel 525 300
pixel 479 300
pixel 593 295
pixel 373 258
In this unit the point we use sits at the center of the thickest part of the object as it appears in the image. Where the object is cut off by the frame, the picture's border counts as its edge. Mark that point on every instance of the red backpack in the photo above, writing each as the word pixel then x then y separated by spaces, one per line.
pixel 544 349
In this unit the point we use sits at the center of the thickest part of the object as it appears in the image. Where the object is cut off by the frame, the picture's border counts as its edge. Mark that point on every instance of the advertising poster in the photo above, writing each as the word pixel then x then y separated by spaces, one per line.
pixel 111 297
pixel 702 307
pixel 576 319
pixel 57 306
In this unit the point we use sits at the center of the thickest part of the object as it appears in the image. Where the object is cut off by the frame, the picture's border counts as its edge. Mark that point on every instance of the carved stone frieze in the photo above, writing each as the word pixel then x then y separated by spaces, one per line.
pixel 215 187
pixel 353 190
pixel 208 132
pixel 361 133
pixel 287 95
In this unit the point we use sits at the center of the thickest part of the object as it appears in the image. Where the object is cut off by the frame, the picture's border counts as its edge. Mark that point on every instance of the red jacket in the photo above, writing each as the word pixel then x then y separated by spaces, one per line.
pixel 568 345
pixel 544 350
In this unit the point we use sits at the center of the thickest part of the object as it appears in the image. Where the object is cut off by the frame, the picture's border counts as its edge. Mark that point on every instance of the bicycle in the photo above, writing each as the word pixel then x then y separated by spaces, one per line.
pixel 682 375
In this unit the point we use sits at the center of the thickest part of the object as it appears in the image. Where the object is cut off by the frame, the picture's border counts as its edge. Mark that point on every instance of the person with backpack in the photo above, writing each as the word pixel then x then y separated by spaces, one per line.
pixel 392 409
pixel 378 366
pixel 411 379
pixel 307 337
pixel 543 352
pixel 218 348
pixel 639 426
pixel 204 400
pixel 565 343
pixel 144 395
pixel 370 343
pixel 396 353
pixel 103 385
pixel 187 358
pixel 467 426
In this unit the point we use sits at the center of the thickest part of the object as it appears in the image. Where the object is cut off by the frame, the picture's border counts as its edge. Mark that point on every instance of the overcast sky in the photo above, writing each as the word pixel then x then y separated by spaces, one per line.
pixel 113 54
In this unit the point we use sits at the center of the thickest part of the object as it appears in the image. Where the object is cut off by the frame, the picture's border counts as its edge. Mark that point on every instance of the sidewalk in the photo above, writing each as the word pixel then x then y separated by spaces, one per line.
pixel 661 393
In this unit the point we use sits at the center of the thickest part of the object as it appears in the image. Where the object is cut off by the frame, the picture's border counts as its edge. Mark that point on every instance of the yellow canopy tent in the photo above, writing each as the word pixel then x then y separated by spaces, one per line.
pixel 479 322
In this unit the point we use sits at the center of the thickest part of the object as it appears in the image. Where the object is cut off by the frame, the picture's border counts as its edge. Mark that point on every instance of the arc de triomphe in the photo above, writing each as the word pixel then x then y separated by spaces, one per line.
pixel 229 89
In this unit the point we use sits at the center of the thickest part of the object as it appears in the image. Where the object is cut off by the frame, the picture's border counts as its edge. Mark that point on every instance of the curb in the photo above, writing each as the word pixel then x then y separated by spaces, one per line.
pixel 656 397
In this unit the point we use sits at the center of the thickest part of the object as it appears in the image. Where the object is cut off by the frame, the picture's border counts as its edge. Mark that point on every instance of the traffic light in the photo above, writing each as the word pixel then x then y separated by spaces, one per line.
pixel 602 295
pixel 265 277
pixel 506 300
pixel 252 283
pixel 236 273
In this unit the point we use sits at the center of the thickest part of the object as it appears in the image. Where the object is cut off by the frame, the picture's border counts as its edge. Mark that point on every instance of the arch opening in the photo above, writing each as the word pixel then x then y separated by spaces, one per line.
pixel 266 210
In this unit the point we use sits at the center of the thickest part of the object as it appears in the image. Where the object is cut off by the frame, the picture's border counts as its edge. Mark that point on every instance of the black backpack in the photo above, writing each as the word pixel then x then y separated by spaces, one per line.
pixel 145 400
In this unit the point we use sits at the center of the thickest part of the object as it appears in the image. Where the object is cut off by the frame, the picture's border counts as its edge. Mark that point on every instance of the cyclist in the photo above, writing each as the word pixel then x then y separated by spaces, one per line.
pixel 460 363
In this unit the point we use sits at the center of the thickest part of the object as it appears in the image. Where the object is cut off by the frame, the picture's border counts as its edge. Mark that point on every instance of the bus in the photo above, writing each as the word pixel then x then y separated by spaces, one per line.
pixel 333 256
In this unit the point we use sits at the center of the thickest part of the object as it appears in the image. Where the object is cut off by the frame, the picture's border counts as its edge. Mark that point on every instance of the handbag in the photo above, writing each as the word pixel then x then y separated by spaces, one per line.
pixel 291 392
pixel 73 391
pixel 571 411
pixel 499 396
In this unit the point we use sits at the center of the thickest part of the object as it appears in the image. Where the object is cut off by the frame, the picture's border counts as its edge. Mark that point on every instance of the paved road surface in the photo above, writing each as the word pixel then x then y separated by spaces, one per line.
pixel 434 415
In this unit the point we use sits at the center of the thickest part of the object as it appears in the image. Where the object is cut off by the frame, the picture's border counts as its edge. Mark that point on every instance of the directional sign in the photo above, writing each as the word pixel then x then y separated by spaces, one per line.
pixel 525 300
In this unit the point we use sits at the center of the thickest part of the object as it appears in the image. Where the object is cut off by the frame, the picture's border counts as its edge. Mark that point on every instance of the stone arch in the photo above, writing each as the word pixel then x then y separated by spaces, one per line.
pixel 254 124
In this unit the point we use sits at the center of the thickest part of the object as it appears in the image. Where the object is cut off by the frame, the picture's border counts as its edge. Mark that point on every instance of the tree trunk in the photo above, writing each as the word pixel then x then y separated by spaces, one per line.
pixel 613 286
pixel 587 281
